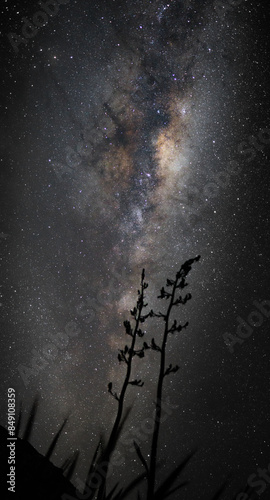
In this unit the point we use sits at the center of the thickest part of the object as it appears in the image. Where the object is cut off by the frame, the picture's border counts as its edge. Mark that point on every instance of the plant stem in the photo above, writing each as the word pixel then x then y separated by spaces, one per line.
pixel 115 430
pixel 158 409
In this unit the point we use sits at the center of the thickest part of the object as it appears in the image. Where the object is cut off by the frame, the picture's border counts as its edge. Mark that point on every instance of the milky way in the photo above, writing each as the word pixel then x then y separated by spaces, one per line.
pixel 135 137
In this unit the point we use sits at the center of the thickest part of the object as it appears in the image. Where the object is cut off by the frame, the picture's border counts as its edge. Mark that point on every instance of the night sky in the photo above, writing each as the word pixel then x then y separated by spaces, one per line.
pixel 136 134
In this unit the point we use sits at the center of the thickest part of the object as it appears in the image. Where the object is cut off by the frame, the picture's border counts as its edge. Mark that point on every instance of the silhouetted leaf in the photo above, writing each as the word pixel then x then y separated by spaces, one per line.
pixel 72 466
pixel 55 440
pixel 220 491
pixel 67 462
pixel 128 327
pixel 182 485
pixel 92 469
pixel 163 490
pixel 31 419
pixel 171 369
pixel 139 383
pixel 154 346
pixel 110 495
pixel 164 294
pixel 131 486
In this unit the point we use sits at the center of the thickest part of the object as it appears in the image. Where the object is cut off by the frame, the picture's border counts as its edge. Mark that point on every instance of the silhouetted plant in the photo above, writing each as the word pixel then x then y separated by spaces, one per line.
pixel 60 477
pixel 125 356
pixel 179 283
pixel 30 421
pixel 55 440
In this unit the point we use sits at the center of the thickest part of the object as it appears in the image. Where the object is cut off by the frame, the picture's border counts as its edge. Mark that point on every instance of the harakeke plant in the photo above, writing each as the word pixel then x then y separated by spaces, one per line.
pixel 174 299
pixel 126 356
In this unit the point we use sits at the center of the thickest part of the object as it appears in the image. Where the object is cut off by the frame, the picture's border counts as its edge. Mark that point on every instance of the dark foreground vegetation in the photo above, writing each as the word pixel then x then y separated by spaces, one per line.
pixel 38 479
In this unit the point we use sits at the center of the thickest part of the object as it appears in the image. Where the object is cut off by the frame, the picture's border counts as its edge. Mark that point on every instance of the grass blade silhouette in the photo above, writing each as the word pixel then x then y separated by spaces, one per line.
pixel 105 457
pixel 181 485
pixel 31 419
pixel 71 467
pixel 110 495
pixel 66 464
pixel 91 471
pixel 164 490
pixel 55 440
pixel 220 491
pixel 133 484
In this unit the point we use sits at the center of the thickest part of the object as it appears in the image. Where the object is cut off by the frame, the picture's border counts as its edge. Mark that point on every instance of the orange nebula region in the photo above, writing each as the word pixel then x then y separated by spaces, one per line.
pixel 172 171
pixel 171 160
pixel 172 155
pixel 171 144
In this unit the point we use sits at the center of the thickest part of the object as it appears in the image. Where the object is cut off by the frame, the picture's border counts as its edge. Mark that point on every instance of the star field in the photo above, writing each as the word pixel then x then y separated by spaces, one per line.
pixel 136 135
